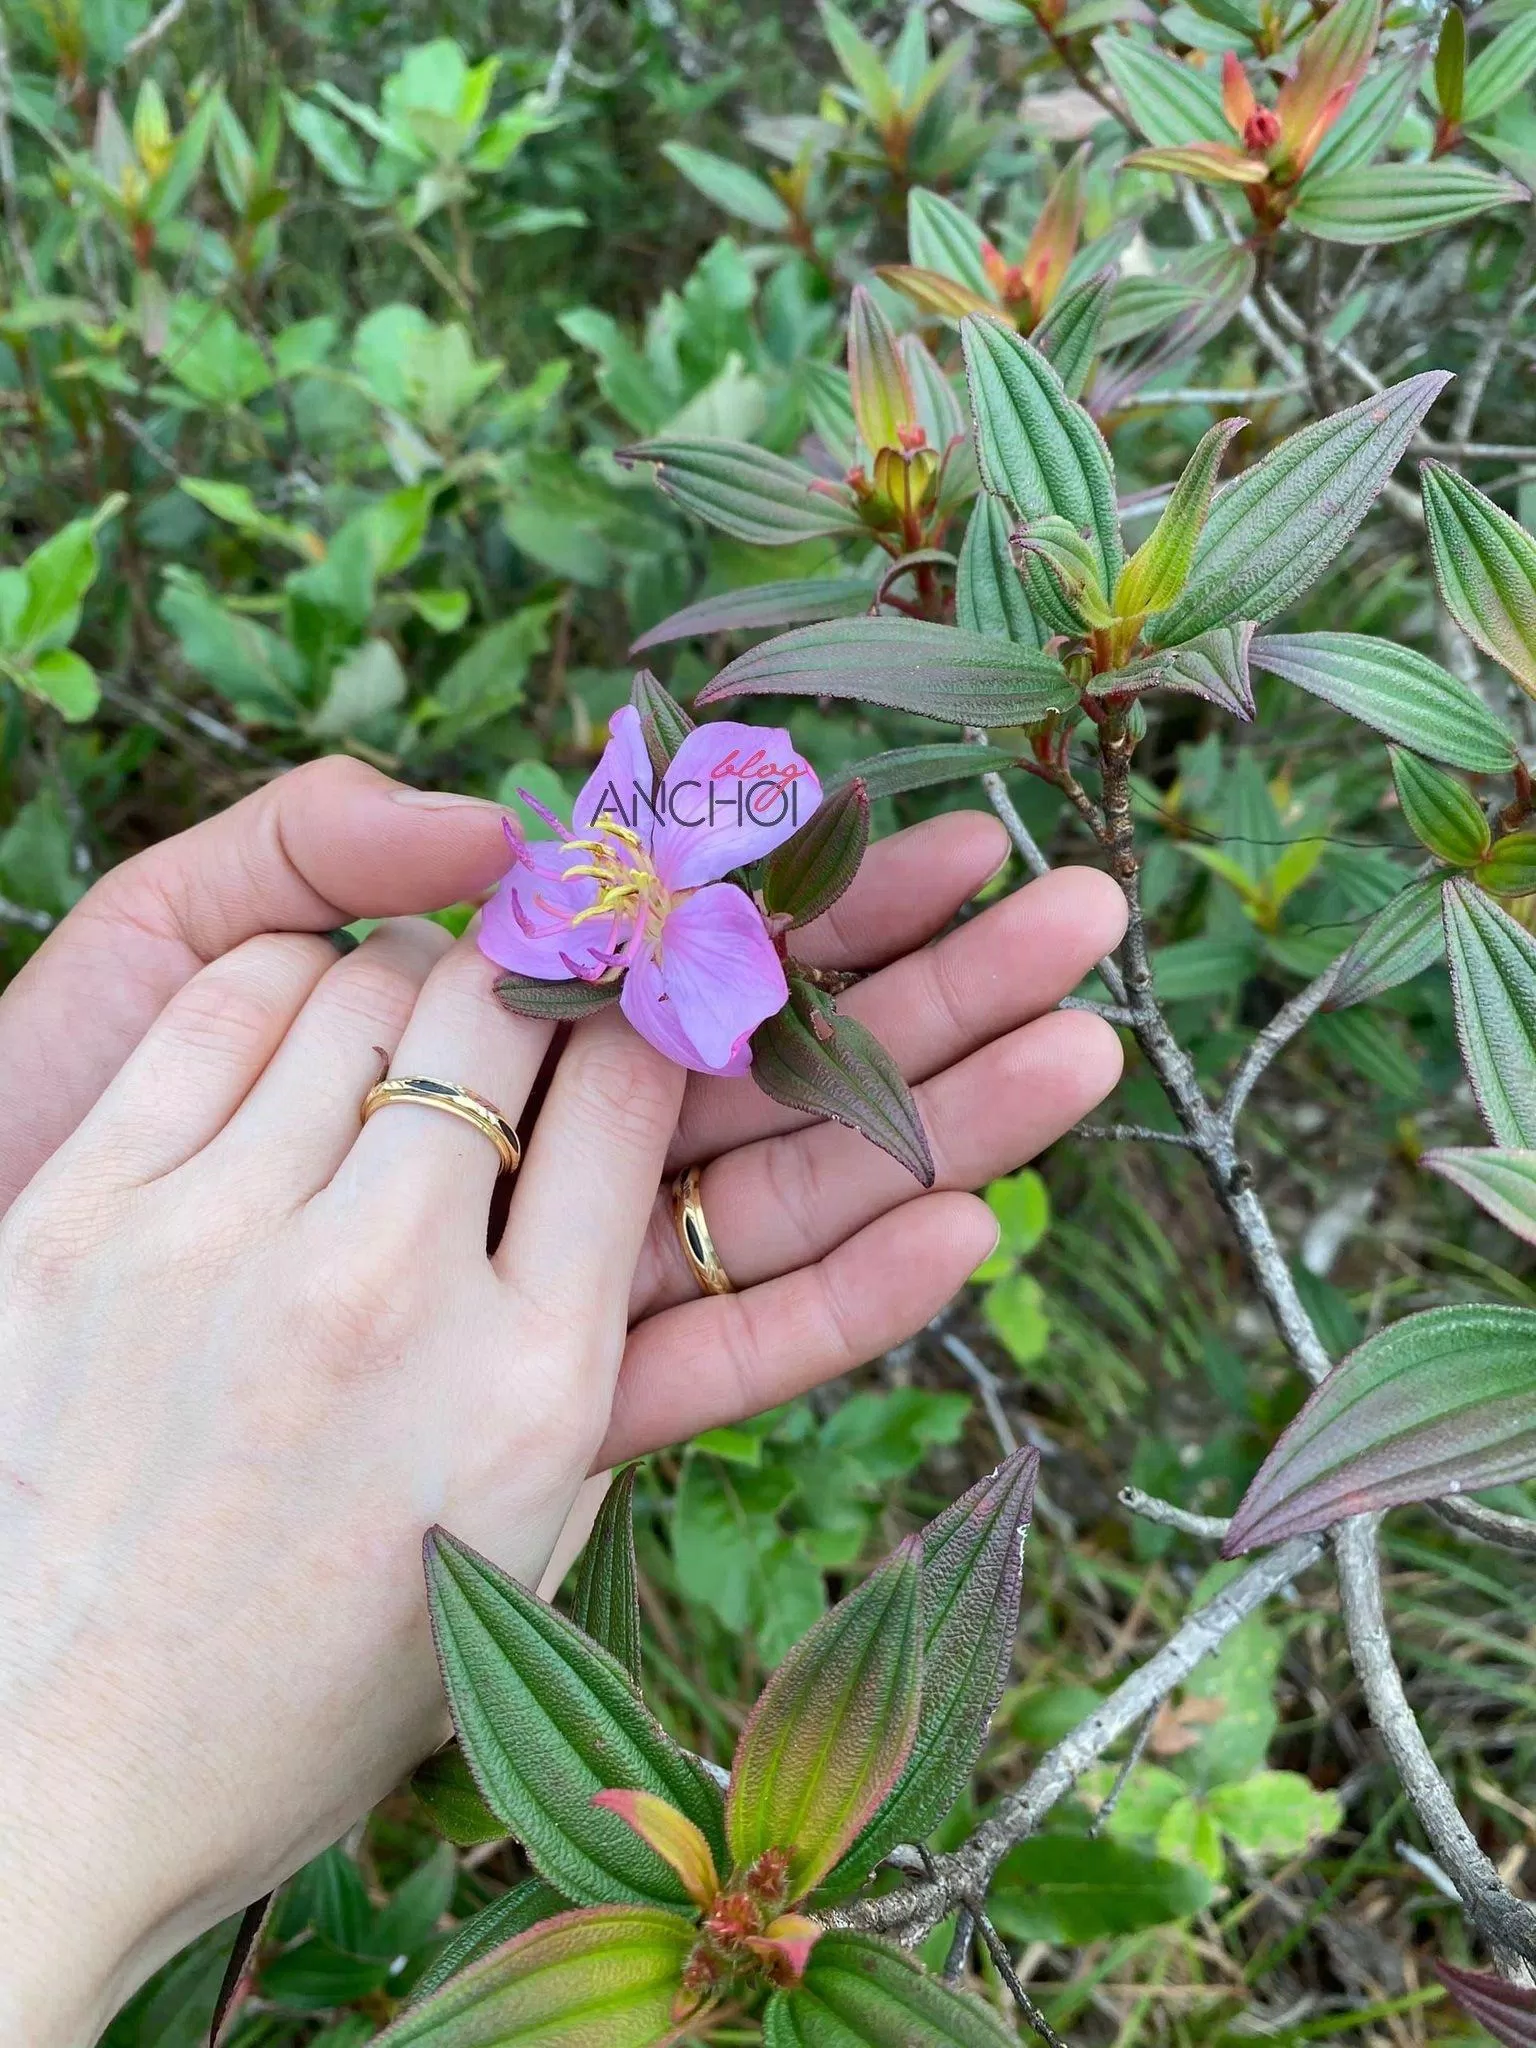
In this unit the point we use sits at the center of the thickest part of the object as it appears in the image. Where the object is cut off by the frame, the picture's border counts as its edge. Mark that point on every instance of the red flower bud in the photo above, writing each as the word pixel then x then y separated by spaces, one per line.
pixel 1261 131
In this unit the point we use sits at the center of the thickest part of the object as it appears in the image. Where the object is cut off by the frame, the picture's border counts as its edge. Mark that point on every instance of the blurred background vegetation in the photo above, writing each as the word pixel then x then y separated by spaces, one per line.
pixel 337 314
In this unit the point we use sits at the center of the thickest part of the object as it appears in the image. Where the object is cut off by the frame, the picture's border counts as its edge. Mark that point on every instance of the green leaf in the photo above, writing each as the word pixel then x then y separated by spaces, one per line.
pixel 877 376
pixel 1485 565
pixel 58 574
pixel 861 64
pixel 1213 163
pixel 1036 448
pixel 989 591
pixel 1071 1889
pixel 1169 102
pixel 446 1787
pixel 1372 116
pixel 443 610
pixel 1500 1179
pixel 663 721
pixel 806 598
pixel 1400 941
pixel 1275 1813
pixel 1395 690
pixel 861 1993
pixel 832 1728
pixel 1022 1206
pixel 909 768
pixel 1499 70
pixel 1214 666
pixel 734 189
pixel 805 876
pixel 486 681
pixel 1443 1402
pixel 809 1058
pixel 942 238
pixel 972 1577
pixel 905 664
pixel 1396 202
pixel 747 492
pixel 547 1718
pixel 1510 869
pixel 1503 2010
pixel 257 672
pixel 68 682
pixel 1439 811
pixel 364 686
pixel 314 1975
pixel 1451 65
pixel 1016 1313
pixel 606 1603
pixel 512 1914
pixel 1275 528
pixel 608 1975
pixel 1069 335
pixel 1493 978
pixel 1159 569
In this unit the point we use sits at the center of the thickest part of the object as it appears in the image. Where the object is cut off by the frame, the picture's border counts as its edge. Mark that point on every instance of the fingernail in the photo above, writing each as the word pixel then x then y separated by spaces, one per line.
pixel 344 941
pixel 442 800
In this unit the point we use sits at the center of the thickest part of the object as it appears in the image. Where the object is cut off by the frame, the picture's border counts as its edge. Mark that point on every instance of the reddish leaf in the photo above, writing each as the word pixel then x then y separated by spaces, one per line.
pixel 882 392
pixel 811 1059
pixel 1507 2011
pixel 672 1835
pixel 805 876
pixel 862 1993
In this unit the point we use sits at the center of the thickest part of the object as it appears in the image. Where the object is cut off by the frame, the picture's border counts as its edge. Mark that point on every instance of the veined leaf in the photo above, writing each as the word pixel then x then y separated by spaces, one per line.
pixel 512 1914
pixel 832 1728
pixel 1504 2010
pixel 1068 336
pixel 1371 118
pixel 603 1978
pixel 747 492
pixel 1396 691
pixel 764 604
pixel 731 187
pixel 932 292
pixel 1499 70
pixel 941 237
pixel 905 664
pixel 1451 64
pixel 1214 666
pixel 1493 978
pixel 861 65
pixel 1485 564
pixel 1035 447
pixel 811 1059
pixel 989 591
pixel 1171 103
pixel 1332 58
pixel 561 1001
pixel 1510 869
pixel 663 721
pixel 672 1835
pixel 1443 1402
pixel 548 1718
pixel 1498 1178
pixel 972 1574
pixel 909 768
pixel 1219 276
pixel 1440 812
pixel 1219 163
pixel 877 376
pixel 606 1603
pixel 1396 202
pixel 1159 569
pixel 861 1993
pixel 1275 528
pixel 1402 939
pixel 804 877
pixel 938 411
pixel 446 1787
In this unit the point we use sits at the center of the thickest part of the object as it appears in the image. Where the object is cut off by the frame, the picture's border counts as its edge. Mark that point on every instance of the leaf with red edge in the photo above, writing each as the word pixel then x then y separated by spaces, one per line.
pixel 792 603
pixel 1505 2010
pixel 603 1978
pixel 1442 1402
pixel 877 376
pixel 973 1572
pixel 1215 667
pixel 832 1728
pixel 1493 979
pixel 931 292
pixel 804 877
pixel 858 1992
pixel 1330 64
pixel 664 724
pixel 811 1059
pixel 746 491
pixel 1500 1179
pixel 672 1835
pixel 785 1945
pixel 1219 163
pixel 1053 238
pixel 606 1602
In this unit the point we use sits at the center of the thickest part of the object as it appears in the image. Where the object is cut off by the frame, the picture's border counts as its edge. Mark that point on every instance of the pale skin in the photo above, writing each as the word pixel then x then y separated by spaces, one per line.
pixel 250 1351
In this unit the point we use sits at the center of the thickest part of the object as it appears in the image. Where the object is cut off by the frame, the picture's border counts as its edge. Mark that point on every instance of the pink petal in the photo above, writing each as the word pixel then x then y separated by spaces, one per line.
pixel 715 980
pixel 527 924
pixel 732 795
pixel 620 787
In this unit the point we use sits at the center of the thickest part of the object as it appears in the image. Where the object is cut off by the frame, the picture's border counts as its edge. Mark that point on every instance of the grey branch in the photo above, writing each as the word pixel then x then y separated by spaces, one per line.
pixel 29 920
pixel 1469 396
pixel 986 1384
pixel 1125 1134
pixel 1167 1516
pixel 997 1948
pixel 1277 1034
pixel 153 30
pixel 1133 1757
pixel 1489 1525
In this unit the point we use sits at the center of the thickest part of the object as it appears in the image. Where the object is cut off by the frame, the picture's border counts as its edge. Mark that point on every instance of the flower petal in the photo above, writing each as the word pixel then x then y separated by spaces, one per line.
pixel 715 980
pixel 527 925
pixel 623 772
pixel 732 795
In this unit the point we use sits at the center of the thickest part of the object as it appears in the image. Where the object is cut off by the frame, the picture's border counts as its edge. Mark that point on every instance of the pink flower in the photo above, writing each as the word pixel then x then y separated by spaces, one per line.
pixel 635 888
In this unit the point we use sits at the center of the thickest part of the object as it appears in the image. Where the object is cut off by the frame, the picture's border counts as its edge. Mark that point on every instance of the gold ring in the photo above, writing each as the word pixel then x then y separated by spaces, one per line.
pixel 693 1234
pixel 459 1102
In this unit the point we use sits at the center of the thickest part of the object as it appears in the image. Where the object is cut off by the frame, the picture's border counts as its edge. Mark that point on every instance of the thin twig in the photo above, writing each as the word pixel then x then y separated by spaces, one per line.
pixel 1474 383
pixel 1133 1757
pixel 1112 1013
pixel 153 30
pixel 987 1385
pixel 10 195
pixel 997 1948
pixel 1167 1516
pixel 29 920
pixel 1489 1525
pixel 1120 1134
pixel 1287 1023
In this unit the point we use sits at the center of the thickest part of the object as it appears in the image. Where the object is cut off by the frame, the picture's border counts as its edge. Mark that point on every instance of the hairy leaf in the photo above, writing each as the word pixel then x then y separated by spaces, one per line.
pixel 1217 163
pixel 1400 941
pixel 747 492
pixel 1275 528
pixel 562 1001
pixel 832 1728
pixel 1218 279
pixel 804 877
pixel 858 1992
pixel 1443 1402
pixel 908 768
pixel 1441 812
pixel 1504 2010
pixel 932 292
pixel 764 604
pixel 972 1576
pixel 664 724
pixel 606 1603
pixel 1500 69
pixel 989 591
pixel 1493 978
pixel 877 376
pixel 1396 202
pixel 1068 336
pixel 672 1835
pixel 446 1787
pixel 1035 447
pixel 1332 57
pixel 1502 1180
pixel 512 1914
pixel 905 664
pixel 603 1978
pixel 1485 565
pixel 811 1059
pixel 1510 869
pixel 547 1718
pixel 1395 690
pixel 1371 118
pixel 941 237
pixel 1159 569
pixel 1170 102
pixel 1215 666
